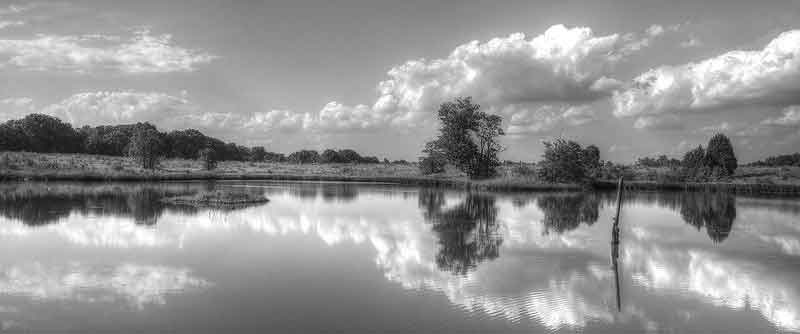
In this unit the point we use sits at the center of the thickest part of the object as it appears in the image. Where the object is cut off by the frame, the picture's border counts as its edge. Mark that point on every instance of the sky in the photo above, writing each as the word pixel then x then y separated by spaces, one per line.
pixel 636 78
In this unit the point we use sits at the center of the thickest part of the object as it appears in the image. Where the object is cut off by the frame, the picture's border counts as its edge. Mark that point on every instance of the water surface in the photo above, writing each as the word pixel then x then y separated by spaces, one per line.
pixel 330 257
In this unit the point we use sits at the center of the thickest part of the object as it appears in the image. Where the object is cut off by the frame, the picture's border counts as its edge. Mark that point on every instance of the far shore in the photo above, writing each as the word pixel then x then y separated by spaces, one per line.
pixel 18 166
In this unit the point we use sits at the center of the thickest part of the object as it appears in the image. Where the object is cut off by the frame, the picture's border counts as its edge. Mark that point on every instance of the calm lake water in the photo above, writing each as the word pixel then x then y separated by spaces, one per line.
pixel 327 257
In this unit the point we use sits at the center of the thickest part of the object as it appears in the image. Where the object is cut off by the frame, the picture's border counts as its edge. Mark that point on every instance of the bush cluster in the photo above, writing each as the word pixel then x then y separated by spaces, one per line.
pixel 565 161
pixel 717 161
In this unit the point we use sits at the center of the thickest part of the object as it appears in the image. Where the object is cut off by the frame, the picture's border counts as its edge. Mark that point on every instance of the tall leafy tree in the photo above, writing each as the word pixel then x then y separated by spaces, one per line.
pixel 47 134
pixel 146 145
pixel 467 138
pixel 720 156
pixel 563 161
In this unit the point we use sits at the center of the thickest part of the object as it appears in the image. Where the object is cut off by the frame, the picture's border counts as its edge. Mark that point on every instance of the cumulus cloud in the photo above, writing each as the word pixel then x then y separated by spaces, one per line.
pixel 6 24
pixel 790 117
pixel 275 119
pixel 123 107
pixel 546 118
pixel 167 112
pixel 770 76
pixel 15 107
pixel 142 53
pixel 562 65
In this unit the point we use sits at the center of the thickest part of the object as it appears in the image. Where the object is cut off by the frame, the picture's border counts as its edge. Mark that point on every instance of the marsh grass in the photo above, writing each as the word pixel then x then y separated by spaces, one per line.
pixel 511 177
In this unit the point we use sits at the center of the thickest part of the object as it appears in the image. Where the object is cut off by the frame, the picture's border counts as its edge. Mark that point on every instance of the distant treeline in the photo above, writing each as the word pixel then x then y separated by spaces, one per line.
pixel 47 134
pixel 779 161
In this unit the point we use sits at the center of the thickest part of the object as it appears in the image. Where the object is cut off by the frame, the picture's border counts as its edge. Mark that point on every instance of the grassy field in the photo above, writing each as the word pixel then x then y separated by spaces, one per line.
pixel 21 165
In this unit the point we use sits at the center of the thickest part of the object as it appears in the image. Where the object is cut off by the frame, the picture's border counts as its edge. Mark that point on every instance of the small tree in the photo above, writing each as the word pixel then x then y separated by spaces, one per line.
pixel 258 154
pixel 467 138
pixel 720 156
pixel 348 155
pixel 563 161
pixel 209 158
pixel 329 156
pixel 145 145
pixel 695 158
pixel 431 165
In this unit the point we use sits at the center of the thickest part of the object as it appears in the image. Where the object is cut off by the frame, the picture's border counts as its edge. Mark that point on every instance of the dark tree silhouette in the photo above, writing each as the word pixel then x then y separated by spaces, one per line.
pixel 40 133
pixel 467 233
pixel 467 138
pixel 146 145
pixel 719 155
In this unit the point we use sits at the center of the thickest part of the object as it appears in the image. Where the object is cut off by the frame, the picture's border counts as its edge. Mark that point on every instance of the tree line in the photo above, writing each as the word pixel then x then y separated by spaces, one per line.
pixel 145 143
pixel 779 161
pixel 469 140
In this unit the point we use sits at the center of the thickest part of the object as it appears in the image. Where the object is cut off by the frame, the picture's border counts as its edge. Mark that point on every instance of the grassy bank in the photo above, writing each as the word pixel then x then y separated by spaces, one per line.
pixel 81 167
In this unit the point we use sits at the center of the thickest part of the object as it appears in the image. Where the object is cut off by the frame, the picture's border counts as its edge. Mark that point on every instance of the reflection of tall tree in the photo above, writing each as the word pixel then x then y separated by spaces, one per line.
pixel 566 212
pixel 716 211
pixel 467 232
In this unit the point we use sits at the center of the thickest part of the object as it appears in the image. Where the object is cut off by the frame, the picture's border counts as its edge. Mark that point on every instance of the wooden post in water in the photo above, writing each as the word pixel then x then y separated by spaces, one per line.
pixel 615 228
pixel 615 245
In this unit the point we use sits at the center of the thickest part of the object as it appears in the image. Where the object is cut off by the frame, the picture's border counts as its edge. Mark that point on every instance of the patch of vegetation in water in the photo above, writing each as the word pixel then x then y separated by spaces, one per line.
pixel 219 199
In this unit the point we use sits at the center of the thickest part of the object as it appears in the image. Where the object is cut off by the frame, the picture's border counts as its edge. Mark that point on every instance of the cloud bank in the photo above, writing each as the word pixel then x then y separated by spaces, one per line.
pixel 767 77
pixel 142 53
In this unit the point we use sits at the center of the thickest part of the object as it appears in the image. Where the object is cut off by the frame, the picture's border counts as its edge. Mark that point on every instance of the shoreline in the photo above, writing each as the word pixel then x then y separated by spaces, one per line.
pixel 497 184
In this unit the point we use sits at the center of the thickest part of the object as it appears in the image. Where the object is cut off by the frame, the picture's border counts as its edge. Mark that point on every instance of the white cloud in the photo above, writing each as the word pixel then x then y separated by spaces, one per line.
pixel 138 285
pixel 791 117
pixel 275 119
pixel 142 53
pixel 564 65
pixel 769 76
pixel 15 107
pixel 6 24
pixel 124 107
pixel 167 112
pixel 546 118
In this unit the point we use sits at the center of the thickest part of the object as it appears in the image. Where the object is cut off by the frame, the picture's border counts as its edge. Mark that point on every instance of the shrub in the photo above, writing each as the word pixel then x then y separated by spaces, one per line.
pixel 146 145
pixel 348 155
pixel 258 154
pixel 523 170
pixel 431 165
pixel 304 157
pixel 329 156
pixel 563 161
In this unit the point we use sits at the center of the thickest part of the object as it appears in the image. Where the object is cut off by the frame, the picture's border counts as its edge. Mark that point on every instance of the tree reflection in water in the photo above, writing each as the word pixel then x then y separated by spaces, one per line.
pixel 716 211
pixel 467 233
pixel 564 213
pixel 37 205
